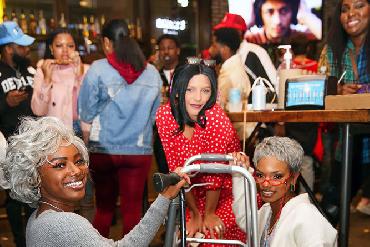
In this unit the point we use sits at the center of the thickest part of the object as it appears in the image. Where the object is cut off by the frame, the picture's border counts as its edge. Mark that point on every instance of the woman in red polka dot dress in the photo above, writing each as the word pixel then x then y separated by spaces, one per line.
pixel 190 124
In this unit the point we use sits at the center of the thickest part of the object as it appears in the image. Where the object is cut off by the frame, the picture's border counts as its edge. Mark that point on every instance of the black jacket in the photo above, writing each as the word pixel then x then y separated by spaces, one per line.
pixel 10 116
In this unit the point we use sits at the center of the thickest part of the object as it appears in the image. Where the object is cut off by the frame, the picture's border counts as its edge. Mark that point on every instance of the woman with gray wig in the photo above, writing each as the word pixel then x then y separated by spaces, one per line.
pixel 47 165
pixel 28 150
pixel 282 148
pixel 286 219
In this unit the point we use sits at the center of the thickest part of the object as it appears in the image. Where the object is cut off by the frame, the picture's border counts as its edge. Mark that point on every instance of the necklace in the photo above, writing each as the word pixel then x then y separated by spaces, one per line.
pixel 277 216
pixel 51 205
pixel 17 72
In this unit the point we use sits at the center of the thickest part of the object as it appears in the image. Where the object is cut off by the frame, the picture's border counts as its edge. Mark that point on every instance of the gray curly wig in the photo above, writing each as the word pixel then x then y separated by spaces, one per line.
pixel 28 149
pixel 283 149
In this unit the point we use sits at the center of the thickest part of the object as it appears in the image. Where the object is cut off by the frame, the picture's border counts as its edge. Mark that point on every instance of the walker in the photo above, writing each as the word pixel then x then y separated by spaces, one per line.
pixel 177 205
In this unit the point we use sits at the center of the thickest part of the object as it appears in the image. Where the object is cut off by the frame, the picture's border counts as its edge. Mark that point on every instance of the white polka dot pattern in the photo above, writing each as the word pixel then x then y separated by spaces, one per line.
pixel 219 136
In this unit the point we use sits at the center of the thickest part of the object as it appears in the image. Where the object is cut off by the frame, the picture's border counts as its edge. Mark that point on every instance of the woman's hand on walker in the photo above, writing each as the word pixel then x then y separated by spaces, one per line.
pixel 194 225
pixel 213 224
pixel 171 191
pixel 240 159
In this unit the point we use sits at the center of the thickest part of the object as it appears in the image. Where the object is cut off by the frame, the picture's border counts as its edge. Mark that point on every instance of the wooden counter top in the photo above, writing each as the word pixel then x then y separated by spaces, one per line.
pixel 339 116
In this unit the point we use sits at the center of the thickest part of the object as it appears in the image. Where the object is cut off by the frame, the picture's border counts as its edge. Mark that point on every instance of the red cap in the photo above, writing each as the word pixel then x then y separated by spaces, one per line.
pixel 232 21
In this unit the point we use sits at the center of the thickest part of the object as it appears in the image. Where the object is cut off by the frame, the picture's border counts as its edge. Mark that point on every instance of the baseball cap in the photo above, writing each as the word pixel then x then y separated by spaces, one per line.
pixel 10 32
pixel 232 21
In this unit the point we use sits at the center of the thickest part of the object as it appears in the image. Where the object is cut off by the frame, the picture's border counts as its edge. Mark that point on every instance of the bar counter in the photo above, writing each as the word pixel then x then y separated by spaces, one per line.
pixel 345 117
pixel 337 116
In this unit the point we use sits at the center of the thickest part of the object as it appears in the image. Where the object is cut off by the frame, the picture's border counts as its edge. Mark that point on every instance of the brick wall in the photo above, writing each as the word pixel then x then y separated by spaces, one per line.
pixel 218 10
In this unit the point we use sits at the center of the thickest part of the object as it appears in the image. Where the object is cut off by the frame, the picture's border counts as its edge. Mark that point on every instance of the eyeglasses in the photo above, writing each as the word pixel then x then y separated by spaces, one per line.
pixel 274 181
pixel 196 60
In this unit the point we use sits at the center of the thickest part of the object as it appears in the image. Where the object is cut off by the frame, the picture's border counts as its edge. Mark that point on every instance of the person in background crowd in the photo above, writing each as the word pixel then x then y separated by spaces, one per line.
pixel 286 219
pixel 256 60
pixel 348 50
pixel 56 86
pixel 169 52
pixel 255 63
pixel 16 78
pixel 190 124
pixel 232 73
pixel 58 80
pixel 303 56
pixel 274 18
pixel 119 97
pixel 47 166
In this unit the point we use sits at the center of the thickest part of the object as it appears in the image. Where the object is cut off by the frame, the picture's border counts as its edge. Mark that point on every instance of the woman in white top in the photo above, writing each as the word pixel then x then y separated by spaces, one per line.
pixel 286 219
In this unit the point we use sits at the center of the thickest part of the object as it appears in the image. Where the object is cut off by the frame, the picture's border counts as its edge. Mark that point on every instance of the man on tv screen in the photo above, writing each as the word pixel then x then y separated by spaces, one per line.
pixel 274 20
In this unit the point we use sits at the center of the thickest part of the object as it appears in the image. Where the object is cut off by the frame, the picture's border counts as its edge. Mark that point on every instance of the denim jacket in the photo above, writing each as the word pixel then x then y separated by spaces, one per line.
pixel 122 115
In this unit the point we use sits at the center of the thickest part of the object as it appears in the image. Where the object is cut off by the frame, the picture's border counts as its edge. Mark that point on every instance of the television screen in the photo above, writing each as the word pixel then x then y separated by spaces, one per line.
pixel 306 92
pixel 279 18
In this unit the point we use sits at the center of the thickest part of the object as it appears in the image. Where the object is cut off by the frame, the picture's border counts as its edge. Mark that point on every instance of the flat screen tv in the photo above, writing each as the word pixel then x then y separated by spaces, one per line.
pixel 250 10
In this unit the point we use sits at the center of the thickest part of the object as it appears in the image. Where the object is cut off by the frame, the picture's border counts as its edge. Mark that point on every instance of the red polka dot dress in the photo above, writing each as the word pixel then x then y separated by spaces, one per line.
pixel 218 136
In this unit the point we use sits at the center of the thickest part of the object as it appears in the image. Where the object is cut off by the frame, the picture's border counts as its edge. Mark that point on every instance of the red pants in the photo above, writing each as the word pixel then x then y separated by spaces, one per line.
pixel 114 175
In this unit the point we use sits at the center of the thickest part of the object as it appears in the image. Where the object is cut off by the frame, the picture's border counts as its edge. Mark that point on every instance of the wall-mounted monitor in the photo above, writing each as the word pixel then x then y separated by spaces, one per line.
pixel 304 16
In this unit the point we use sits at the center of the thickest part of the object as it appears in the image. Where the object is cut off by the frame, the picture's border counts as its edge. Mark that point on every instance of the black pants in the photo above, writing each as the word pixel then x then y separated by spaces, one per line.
pixel 17 223
pixel 159 155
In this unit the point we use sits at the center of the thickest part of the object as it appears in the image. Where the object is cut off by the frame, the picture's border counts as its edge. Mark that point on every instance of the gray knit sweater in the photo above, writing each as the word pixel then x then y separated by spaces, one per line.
pixel 53 229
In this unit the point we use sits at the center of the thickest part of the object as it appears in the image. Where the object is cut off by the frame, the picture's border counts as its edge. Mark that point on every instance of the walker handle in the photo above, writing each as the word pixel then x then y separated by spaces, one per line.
pixel 216 157
pixel 215 168
pixel 208 157
pixel 162 181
